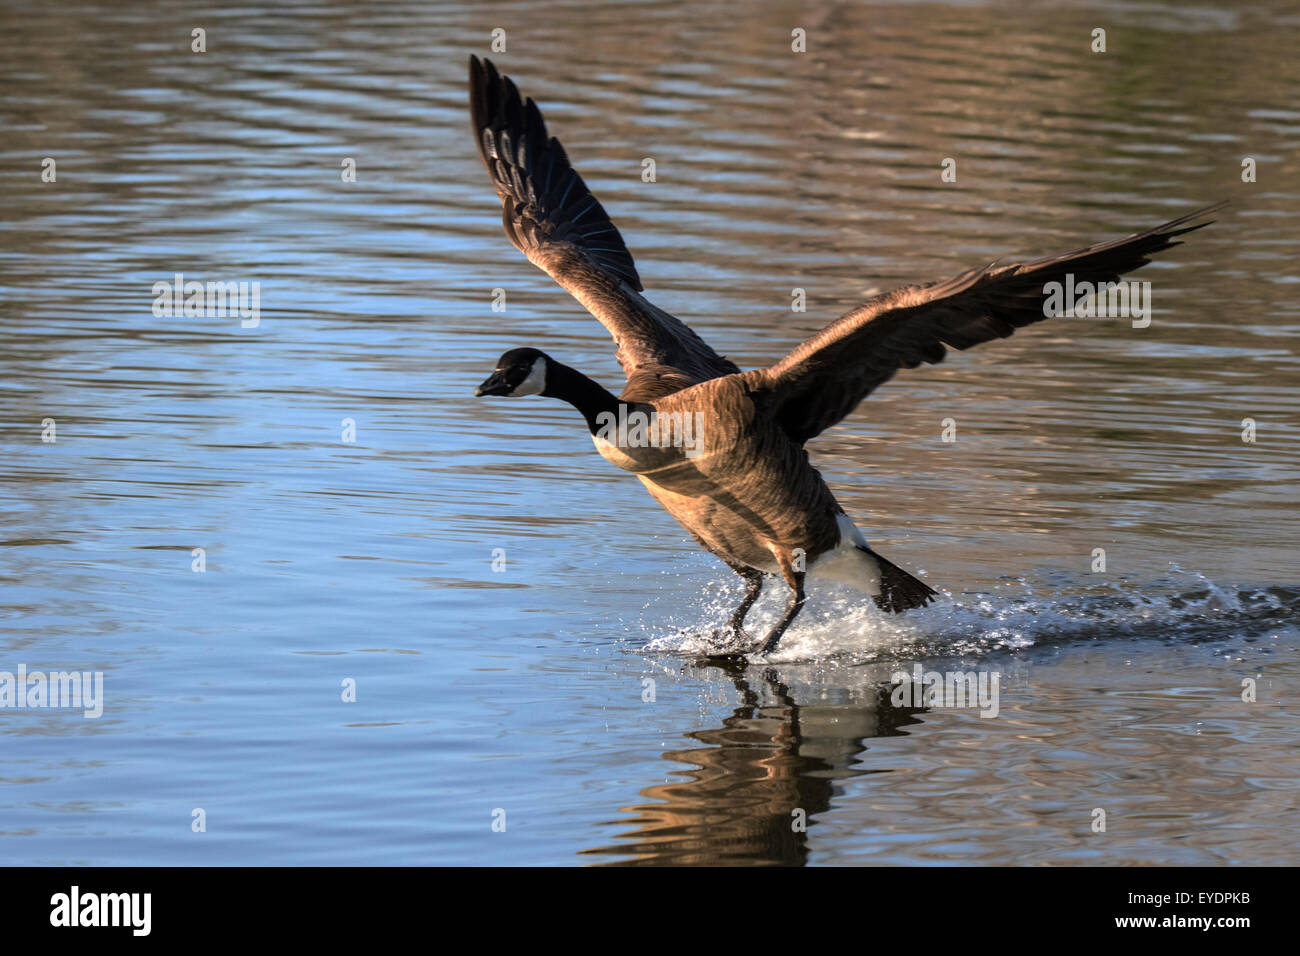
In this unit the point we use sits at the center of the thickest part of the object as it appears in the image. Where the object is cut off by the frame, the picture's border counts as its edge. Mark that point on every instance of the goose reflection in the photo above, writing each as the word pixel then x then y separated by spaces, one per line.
pixel 758 783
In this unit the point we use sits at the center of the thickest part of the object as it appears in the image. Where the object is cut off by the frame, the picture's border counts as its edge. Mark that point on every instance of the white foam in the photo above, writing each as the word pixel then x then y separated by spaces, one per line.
pixel 838 623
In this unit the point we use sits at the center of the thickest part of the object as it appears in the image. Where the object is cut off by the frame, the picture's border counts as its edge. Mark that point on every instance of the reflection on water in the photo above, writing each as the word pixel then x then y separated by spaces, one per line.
pixel 364 553
pixel 760 778
pixel 800 770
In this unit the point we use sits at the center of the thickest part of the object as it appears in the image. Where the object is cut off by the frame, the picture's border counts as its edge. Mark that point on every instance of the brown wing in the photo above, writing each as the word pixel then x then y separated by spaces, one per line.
pixel 826 377
pixel 553 219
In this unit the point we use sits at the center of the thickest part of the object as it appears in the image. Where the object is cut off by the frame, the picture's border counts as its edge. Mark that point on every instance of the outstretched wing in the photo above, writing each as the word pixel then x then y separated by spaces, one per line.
pixel 826 377
pixel 553 219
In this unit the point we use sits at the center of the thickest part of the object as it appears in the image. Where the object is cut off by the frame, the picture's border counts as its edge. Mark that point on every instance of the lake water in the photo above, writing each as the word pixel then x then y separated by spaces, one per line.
pixel 369 563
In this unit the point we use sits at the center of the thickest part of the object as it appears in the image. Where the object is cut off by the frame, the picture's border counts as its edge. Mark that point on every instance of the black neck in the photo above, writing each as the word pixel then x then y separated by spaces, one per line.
pixel 579 391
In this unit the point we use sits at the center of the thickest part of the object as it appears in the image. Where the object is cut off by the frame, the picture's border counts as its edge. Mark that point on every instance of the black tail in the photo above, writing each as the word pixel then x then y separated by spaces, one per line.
pixel 899 591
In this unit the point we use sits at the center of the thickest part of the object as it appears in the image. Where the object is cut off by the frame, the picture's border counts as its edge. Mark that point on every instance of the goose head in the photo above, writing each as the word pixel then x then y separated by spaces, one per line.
pixel 518 372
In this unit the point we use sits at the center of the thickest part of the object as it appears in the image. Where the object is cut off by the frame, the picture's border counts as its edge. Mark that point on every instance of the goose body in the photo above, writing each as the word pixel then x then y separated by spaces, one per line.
pixel 720 449
pixel 744 488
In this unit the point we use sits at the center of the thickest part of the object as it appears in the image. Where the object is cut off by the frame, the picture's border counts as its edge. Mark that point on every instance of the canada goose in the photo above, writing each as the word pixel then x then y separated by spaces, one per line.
pixel 721 449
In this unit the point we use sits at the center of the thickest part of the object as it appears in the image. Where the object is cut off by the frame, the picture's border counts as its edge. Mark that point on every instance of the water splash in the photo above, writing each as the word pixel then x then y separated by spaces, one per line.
pixel 1183 606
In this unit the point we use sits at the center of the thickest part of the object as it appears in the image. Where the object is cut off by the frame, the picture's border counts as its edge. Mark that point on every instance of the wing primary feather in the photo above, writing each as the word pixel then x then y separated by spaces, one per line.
pixel 825 377
pixel 550 215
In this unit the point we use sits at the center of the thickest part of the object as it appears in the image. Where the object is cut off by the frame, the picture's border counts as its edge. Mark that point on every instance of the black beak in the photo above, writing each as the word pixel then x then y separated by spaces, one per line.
pixel 495 385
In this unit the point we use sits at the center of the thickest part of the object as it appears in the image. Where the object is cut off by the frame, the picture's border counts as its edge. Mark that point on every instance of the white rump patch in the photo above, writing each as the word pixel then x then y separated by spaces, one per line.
pixel 846 564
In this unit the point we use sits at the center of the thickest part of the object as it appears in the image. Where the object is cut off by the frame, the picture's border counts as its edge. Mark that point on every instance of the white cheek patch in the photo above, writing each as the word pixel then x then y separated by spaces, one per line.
pixel 535 383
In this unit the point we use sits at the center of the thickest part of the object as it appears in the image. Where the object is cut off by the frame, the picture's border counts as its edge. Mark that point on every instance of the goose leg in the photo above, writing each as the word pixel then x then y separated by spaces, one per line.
pixel 754 580
pixel 792 606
